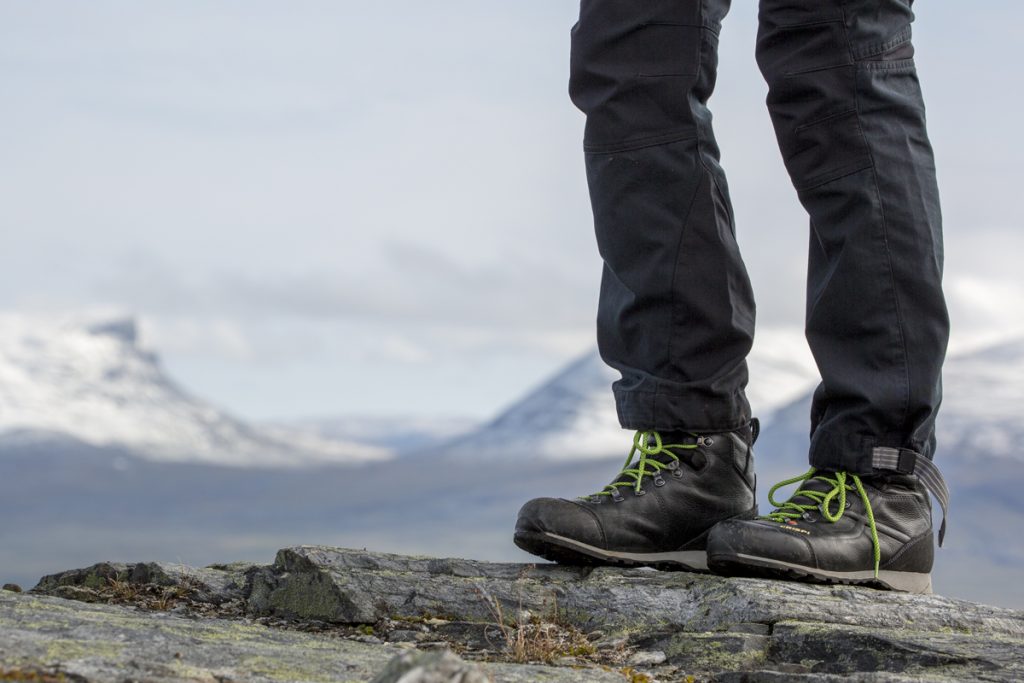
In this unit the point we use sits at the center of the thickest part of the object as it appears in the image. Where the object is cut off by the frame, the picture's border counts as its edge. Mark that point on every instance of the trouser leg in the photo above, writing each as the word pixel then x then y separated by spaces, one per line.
pixel 676 313
pixel 847 109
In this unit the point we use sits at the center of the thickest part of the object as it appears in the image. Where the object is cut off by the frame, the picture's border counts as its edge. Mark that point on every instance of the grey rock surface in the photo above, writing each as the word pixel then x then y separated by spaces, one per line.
pixel 215 584
pixel 351 586
pixel 45 638
pixel 92 642
pixel 707 627
pixel 441 666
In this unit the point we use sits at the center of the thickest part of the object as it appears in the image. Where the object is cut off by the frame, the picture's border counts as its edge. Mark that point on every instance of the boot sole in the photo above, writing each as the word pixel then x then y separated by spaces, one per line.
pixel 565 550
pixel 738 564
pixel 568 551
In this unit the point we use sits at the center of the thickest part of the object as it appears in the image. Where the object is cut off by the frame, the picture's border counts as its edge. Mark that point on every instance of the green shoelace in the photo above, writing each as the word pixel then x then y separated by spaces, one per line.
pixel 648 444
pixel 823 501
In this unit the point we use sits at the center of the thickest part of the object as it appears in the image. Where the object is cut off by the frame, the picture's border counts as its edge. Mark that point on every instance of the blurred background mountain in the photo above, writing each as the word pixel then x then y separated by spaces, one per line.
pixel 358 236
pixel 132 466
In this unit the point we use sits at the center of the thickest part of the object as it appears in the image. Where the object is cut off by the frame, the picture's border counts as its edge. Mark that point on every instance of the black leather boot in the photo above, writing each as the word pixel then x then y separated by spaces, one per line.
pixel 658 511
pixel 837 528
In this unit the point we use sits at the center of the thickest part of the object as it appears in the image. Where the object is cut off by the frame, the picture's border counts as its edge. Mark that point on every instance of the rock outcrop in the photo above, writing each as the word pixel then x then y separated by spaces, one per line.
pixel 321 613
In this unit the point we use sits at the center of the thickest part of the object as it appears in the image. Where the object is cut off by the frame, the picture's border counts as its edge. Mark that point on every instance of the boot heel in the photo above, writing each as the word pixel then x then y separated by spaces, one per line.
pixel 908 582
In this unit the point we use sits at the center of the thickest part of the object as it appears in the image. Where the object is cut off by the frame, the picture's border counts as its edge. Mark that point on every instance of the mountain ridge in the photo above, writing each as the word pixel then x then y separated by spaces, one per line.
pixel 88 378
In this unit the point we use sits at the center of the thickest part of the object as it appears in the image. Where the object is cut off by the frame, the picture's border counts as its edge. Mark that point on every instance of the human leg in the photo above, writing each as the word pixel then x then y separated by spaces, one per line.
pixel 849 117
pixel 676 314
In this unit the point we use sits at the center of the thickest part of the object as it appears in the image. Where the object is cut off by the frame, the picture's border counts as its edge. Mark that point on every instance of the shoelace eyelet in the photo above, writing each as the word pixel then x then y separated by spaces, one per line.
pixel 649 445
pixel 640 492
pixel 808 517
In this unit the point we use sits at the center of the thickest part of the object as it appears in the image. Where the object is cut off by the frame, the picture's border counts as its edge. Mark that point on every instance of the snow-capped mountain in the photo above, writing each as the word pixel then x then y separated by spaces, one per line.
pixel 983 402
pixel 572 415
pixel 89 380
pixel 982 412
pixel 781 369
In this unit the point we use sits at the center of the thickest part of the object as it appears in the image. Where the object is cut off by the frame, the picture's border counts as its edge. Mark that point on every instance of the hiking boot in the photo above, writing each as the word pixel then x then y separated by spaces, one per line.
pixel 836 528
pixel 673 488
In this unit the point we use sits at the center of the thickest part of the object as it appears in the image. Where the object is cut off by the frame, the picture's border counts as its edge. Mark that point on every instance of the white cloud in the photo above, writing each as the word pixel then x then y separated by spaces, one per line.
pixel 273 201
pixel 395 284
pixel 207 336
pixel 397 349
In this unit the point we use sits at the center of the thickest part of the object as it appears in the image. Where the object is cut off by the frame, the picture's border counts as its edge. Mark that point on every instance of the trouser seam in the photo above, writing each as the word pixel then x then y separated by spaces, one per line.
pixel 875 49
pixel 639 143
pixel 700 138
pixel 675 269
pixel 831 176
pixel 884 227
pixel 686 217
pixel 894 65
pixel 824 119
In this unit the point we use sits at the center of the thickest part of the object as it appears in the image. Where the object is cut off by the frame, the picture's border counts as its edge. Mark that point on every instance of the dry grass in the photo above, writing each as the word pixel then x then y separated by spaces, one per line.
pixel 122 591
pixel 538 638
pixel 148 595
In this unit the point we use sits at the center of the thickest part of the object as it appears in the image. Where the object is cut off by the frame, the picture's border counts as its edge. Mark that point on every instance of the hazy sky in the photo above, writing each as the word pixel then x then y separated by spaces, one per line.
pixel 351 207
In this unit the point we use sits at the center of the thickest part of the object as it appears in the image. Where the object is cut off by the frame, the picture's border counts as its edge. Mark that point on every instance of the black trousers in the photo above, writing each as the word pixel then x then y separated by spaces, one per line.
pixel 676 312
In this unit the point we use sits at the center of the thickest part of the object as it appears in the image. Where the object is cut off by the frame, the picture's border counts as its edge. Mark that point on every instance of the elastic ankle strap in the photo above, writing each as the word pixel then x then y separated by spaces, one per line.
pixel 906 461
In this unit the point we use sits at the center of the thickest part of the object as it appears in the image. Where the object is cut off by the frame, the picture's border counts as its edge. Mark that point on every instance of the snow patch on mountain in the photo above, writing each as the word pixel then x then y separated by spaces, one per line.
pixel 572 415
pixel 87 378
pixel 781 369
pixel 981 411
pixel 982 408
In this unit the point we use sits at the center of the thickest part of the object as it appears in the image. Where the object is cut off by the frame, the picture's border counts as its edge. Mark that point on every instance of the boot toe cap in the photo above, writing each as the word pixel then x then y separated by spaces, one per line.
pixel 759 538
pixel 560 517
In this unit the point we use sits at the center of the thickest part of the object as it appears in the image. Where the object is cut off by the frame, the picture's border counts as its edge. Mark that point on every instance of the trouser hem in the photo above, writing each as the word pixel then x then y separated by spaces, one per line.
pixel 854 453
pixel 677 412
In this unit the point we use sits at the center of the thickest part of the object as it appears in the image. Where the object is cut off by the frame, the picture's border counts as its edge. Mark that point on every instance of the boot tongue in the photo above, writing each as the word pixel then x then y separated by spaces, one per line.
pixel 688 438
pixel 695 458
pixel 668 439
pixel 814 484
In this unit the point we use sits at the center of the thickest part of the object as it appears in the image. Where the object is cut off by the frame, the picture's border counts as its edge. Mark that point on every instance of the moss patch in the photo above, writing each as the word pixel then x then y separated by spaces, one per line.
pixel 66 650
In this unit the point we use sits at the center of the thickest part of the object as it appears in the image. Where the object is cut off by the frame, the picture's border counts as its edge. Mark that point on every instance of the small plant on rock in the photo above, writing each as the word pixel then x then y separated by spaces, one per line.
pixel 537 638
